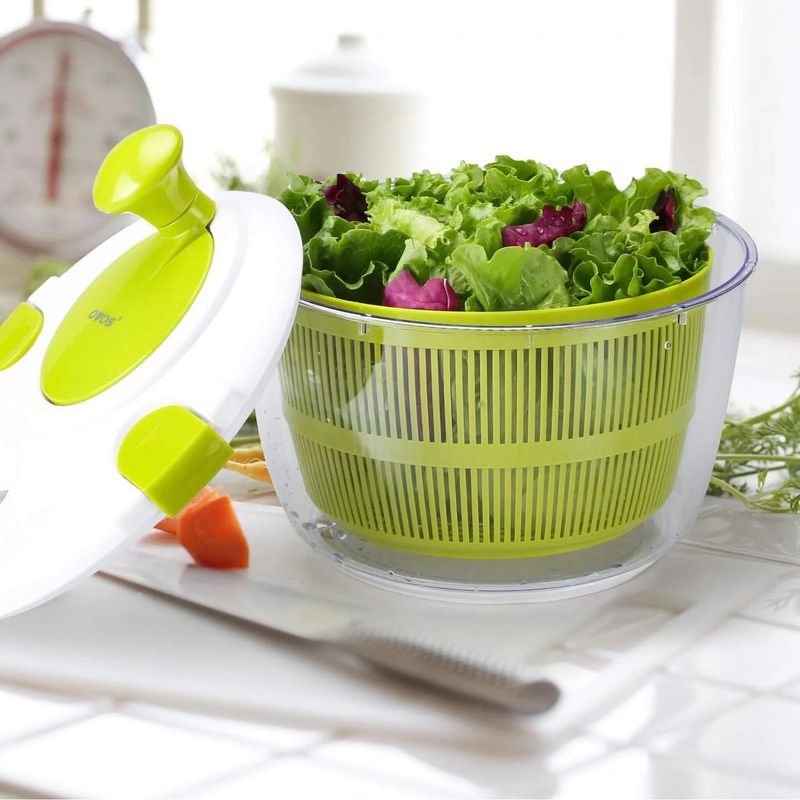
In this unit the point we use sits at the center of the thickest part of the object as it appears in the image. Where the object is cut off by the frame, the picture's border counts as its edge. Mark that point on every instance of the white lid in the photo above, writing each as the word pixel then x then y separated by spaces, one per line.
pixel 68 506
pixel 350 68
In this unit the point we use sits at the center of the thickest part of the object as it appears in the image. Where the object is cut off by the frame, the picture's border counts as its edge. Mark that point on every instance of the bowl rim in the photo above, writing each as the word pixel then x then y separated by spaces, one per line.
pixel 422 318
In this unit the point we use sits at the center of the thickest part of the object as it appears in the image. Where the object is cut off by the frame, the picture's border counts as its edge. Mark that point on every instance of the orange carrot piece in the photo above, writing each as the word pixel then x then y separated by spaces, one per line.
pixel 211 532
pixel 170 524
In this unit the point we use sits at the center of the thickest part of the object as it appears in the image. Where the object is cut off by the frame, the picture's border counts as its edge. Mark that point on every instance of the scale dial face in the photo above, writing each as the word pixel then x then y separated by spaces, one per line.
pixel 67 95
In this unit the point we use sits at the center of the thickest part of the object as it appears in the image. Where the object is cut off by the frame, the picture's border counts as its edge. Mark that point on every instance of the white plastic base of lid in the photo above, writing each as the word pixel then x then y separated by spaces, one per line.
pixel 67 507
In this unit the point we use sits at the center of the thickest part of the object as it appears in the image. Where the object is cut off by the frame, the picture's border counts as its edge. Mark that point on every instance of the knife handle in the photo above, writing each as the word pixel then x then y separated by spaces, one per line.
pixel 452 670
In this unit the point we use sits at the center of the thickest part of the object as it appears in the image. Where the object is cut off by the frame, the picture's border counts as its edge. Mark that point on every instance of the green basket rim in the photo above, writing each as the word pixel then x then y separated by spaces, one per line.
pixel 612 309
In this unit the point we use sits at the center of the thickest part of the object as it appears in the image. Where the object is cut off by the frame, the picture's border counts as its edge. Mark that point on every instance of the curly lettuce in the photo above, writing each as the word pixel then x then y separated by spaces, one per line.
pixel 510 235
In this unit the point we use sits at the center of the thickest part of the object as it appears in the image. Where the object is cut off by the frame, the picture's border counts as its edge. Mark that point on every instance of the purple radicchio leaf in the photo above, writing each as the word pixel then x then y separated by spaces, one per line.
pixel 665 208
pixel 436 294
pixel 549 227
pixel 347 199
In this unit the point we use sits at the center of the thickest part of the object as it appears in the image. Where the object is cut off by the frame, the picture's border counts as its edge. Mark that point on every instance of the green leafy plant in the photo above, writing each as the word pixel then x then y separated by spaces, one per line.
pixel 228 175
pixel 759 458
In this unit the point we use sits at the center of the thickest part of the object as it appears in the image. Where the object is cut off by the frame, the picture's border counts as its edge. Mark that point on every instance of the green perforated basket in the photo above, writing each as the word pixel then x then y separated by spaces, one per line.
pixel 505 435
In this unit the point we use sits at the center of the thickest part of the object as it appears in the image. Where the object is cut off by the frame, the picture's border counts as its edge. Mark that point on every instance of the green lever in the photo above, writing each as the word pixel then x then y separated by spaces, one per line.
pixel 144 175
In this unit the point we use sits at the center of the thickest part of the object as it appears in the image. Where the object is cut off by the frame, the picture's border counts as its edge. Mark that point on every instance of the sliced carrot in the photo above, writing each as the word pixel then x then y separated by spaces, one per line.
pixel 211 532
pixel 170 524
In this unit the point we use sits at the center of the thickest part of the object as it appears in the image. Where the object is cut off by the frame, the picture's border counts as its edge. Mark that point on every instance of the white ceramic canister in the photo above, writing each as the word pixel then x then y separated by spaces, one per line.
pixel 346 112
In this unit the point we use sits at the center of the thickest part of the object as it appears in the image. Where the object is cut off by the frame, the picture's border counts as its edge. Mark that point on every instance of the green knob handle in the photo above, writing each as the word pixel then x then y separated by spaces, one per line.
pixel 144 175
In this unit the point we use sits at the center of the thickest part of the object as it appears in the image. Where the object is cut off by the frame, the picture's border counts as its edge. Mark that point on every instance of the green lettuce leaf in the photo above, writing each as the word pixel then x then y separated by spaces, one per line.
pixel 415 260
pixel 364 288
pixel 351 260
pixel 514 279
pixel 304 199
pixel 642 193
pixel 629 260
pixel 597 190
pixel 420 184
pixel 392 214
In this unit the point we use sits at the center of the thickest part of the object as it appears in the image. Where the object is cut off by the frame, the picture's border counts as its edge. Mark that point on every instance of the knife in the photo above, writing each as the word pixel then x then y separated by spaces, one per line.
pixel 332 622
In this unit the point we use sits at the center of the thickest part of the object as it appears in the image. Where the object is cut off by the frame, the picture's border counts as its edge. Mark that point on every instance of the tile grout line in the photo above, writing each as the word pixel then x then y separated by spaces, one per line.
pixel 124 707
pixel 769 623
pixel 791 562
pixel 192 789
pixel 644 740
pixel 29 791
pixel 191 703
pixel 660 650
pixel 723 766
pixel 99 710
pixel 686 759
pixel 719 683
pixel 684 731
pixel 359 772
pixel 751 691
pixel 683 757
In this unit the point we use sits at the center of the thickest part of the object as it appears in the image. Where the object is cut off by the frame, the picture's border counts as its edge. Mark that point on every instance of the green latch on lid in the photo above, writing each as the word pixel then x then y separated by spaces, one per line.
pixel 138 300
pixel 18 333
pixel 170 455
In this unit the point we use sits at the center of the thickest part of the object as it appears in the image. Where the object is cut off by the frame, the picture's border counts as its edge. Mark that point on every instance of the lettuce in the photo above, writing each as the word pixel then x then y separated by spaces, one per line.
pixel 625 259
pixel 514 279
pixel 436 294
pixel 351 261
pixel 304 199
pixel 346 199
pixel 664 210
pixel 553 224
pixel 510 235
pixel 389 214
pixel 596 190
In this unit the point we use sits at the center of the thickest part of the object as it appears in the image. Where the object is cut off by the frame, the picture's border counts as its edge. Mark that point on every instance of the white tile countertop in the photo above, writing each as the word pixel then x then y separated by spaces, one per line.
pixel 687 682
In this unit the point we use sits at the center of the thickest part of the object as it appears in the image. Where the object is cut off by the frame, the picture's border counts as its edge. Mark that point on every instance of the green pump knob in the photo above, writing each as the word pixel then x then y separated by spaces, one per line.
pixel 144 174
pixel 135 303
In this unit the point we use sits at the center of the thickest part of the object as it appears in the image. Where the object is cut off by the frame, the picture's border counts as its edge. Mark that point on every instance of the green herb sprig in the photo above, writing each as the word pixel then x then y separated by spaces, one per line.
pixel 759 458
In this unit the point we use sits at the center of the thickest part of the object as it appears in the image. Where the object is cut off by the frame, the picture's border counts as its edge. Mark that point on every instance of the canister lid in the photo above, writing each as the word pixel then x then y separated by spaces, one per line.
pixel 350 68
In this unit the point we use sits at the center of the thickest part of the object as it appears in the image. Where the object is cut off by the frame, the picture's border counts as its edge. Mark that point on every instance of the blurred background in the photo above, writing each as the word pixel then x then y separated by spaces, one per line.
pixel 702 86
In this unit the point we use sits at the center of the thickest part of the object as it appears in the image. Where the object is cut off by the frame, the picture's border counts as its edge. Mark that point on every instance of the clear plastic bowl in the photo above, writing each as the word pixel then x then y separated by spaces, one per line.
pixel 507 463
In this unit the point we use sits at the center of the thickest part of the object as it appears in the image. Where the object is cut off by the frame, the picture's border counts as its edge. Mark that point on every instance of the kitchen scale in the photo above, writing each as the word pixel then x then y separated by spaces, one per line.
pixel 122 381
pixel 68 94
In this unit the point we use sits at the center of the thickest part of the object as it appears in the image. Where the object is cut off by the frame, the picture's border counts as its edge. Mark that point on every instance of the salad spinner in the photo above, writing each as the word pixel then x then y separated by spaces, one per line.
pixel 513 455
pixel 478 456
